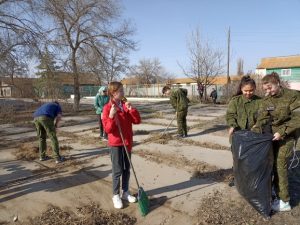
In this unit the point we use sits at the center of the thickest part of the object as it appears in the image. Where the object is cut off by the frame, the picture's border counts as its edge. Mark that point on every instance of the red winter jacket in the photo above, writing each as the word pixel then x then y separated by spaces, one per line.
pixel 126 119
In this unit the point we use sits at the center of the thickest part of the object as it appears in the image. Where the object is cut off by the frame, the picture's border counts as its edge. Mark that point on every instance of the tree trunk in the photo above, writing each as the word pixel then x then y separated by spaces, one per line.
pixel 76 92
pixel 76 84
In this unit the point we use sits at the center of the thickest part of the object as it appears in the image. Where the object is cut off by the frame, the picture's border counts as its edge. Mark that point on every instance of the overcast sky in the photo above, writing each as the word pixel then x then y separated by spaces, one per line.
pixel 259 28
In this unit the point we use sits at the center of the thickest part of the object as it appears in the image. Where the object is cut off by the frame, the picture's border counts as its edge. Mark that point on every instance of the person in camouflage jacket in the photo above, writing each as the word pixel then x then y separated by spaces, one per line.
pixel 280 111
pixel 179 101
pixel 243 107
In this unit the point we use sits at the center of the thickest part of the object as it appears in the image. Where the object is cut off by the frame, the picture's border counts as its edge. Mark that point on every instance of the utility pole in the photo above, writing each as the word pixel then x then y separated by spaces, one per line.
pixel 228 59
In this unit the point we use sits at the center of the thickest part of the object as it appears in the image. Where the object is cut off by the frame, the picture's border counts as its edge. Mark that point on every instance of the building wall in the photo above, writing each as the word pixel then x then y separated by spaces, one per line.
pixel 295 86
pixel 5 91
pixel 261 72
pixel 295 74
pixel 155 90
pixel 85 90
pixel 294 79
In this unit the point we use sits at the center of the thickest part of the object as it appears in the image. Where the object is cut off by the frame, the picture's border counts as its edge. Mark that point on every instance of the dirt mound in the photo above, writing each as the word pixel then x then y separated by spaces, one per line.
pixel 221 208
pixel 212 146
pixel 30 151
pixel 86 215
pixel 159 138
pixel 216 209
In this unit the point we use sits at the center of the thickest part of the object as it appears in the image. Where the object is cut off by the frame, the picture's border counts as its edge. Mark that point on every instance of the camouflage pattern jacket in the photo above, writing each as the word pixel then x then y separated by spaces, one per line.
pixel 242 112
pixel 179 100
pixel 282 111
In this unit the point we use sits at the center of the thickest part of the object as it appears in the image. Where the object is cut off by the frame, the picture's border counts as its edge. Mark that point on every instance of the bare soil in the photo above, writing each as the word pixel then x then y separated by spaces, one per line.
pixel 78 191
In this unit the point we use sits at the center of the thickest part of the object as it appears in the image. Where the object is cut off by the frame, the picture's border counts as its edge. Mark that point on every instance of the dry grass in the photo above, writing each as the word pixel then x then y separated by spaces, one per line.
pixel 222 208
pixel 209 145
pixel 90 214
pixel 30 151
pixel 159 138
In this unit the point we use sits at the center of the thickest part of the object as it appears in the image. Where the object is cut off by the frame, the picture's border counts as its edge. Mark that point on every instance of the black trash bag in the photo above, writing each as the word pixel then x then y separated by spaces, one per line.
pixel 252 168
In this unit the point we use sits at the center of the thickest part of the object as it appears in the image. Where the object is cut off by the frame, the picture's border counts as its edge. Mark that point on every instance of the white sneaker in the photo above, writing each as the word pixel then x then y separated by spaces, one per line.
pixel 281 206
pixel 128 197
pixel 118 204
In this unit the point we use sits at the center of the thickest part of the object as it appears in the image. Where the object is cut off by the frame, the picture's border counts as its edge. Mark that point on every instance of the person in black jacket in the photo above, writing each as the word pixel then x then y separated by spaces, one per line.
pixel 214 95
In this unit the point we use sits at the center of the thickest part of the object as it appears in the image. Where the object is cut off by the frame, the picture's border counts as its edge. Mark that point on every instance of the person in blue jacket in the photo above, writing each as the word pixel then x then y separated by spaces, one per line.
pixel 46 119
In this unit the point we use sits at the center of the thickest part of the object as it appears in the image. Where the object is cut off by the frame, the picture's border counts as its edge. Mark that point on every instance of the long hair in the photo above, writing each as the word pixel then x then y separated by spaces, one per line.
pixel 246 80
pixel 166 88
pixel 113 87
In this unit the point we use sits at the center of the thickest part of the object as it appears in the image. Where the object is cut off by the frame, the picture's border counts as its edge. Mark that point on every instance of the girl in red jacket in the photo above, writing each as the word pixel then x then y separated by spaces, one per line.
pixel 114 112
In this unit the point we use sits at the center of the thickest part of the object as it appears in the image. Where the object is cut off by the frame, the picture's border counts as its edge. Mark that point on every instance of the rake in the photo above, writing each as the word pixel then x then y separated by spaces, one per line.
pixel 143 200
pixel 168 125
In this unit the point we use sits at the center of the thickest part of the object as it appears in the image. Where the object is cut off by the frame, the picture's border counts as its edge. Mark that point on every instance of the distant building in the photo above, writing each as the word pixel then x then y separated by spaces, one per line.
pixel 16 88
pixel 89 83
pixel 132 86
pixel 21 87
pixel 288 68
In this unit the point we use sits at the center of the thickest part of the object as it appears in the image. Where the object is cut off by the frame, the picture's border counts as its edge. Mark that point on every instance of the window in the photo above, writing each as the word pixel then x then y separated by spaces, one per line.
pixel 286 72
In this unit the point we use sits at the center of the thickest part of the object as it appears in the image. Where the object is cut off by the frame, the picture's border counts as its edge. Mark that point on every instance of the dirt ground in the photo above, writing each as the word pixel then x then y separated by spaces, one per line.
pixel 186 179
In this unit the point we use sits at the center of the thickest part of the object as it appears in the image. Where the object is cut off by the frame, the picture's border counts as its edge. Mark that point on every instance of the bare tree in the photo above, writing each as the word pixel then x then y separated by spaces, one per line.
pixel 240 67
pixel 147 71
pixel 205 62
pixel 13 65
pixel 18 37
pixel 84 26
pixel 110 64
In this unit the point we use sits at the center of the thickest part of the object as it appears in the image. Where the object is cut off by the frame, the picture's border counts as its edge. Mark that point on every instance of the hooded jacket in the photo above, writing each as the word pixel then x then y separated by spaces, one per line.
pixel 100 100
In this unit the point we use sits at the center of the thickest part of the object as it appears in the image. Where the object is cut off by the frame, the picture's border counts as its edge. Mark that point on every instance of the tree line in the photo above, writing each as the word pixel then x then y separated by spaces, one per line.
pixel 86 37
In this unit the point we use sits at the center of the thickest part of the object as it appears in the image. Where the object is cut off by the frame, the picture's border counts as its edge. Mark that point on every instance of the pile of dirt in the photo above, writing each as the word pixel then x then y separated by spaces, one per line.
pixel 87 215
pixel 30 151
pixel 216 209
pixel 159 138
pixel 205 171
pixel 220 208
pixel 205 144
